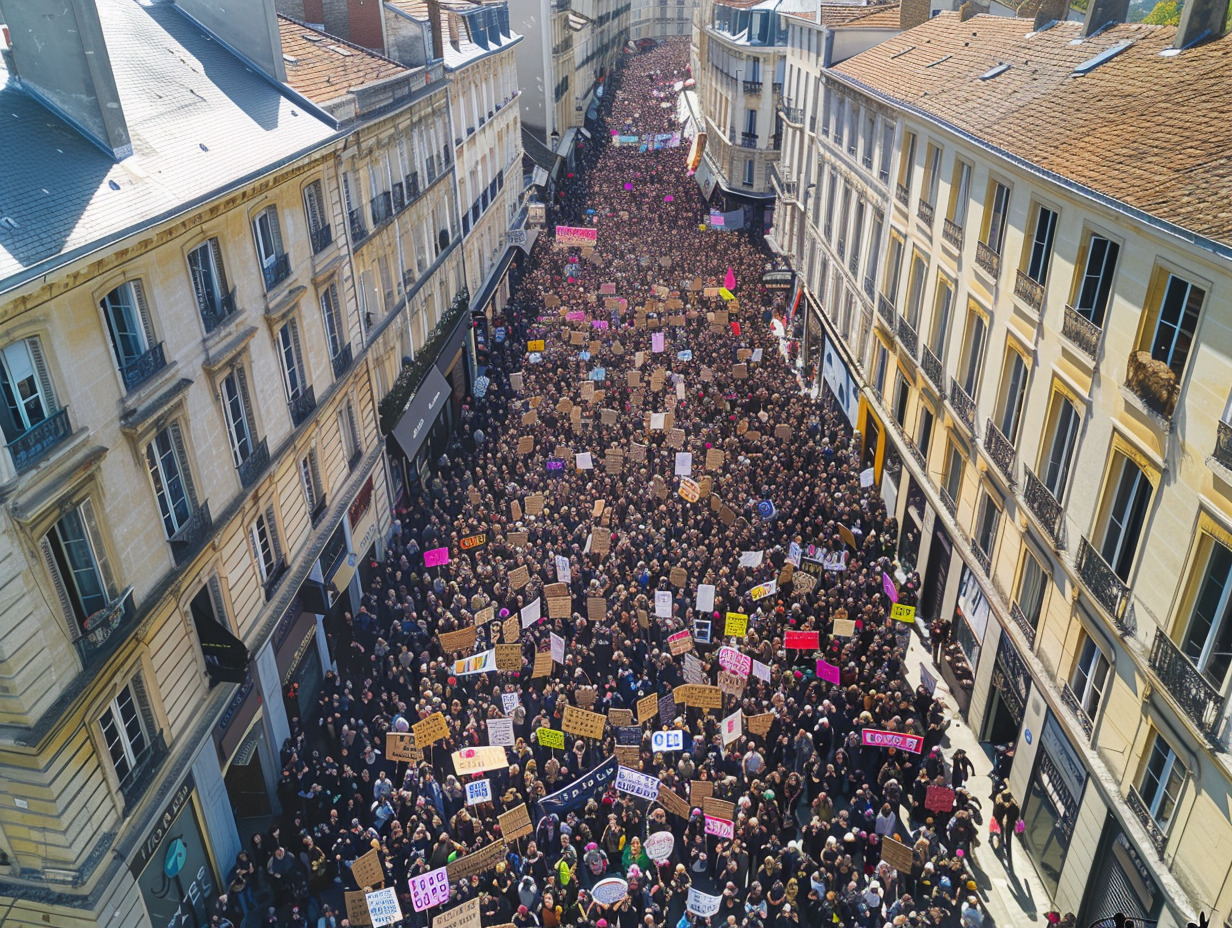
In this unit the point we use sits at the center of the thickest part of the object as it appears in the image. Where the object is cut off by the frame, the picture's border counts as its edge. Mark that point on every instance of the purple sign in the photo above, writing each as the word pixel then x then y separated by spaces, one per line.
pixel 827 671
pixel 436 557
pixel 888 586
pixel 599 323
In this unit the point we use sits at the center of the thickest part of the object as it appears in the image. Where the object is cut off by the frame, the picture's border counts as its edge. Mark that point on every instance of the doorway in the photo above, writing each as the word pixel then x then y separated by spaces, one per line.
pixel 1000 724
pixel 246 784
pixel 936 574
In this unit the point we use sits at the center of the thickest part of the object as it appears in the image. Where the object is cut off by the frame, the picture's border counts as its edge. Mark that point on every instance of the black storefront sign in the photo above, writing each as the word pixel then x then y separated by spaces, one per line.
pixel 172 868
pixel 1011 678
pixel 421 412
pixel 226 657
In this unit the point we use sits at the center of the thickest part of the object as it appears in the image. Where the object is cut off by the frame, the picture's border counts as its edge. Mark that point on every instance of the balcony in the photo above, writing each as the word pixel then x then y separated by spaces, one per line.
pixel 1223 445
pixel 192 535
pixel 382 208
pixel 988 259
pixel 274 577
pixel 355 219
pixel 1082 333
pixel 1070 699
pixel 983 558
pixel 925 213
pixel 99 627
pixel 142 368
pixel 907 336
pixel 144 772
pixel 31 445
pixel 786 185
pixel 948 501
pixel 752 86
pixel 916 453
pixel 748 139
pixel 902 194
pixel 1023 623
pixel 870 289
pixel 252 467
pixel 777 86
pixel 1153 382
pixel 399 197
pixel 1028 290
pixel 1044 506
pixel 216 310
pixel 963 405
pixel 412 187
pixel 793 114
pixel 1200 698
pixel 1158 838
pixel 885 309
pixel 321 238
pixel 1000 449
pixel 952 233
pixel 302 405
pixel 342 361
pixel 1101 580
pixel 933 369
pixel 276 271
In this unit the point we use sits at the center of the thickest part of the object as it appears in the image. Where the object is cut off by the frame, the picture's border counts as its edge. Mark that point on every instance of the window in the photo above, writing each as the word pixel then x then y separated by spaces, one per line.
pixel 268 236
pixel 924 434
pixel 831 194
pixel 1031 580
pixel 894 267
pixel 76 558
pixel 128 325
pixel 880 361
pixel 168 464
pixel 1095 285
pixel 748 176
pixel 874 248
pixel 986 528
pixel 310 483
pixel 973 353
pixel 264 536
pixel 907 165
pixel 1013 393
pixel 840 120
pixel 1163 776
pixel 332 317
pixel 941 318
pixel 1125 518
pixel 1041 244
pixel 349 432
pixel 870 131
pixel 960 193
pixel 28 395
pixel 932 175
pixel 844 213
pixel 857 232
pixel 210 284
pixel 1207 639
pixel 902 395
pixel 1090 676
pixel 954 472
pixel 887 151
pixel 292 363
pixel 1061 447
pixel 315 211
pixel 1178 318
pixel 915 290
pixel 826 106
pixel 750 123
pixel 237 410
pixel 998 216
pixel 125 733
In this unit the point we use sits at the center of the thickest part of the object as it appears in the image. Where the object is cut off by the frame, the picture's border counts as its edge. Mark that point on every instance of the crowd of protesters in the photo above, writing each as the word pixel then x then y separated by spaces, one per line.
pixel 813 805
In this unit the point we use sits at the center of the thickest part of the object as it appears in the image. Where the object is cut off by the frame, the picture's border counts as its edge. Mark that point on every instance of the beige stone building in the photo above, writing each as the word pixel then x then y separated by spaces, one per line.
pixel 1013 256
pixel 660 19
pixel 204 294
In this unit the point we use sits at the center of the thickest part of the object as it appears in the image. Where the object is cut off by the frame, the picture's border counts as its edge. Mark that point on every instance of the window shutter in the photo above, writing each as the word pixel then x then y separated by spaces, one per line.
pixel 271 528
pixel 143 310
pixel 242 379
pixel 181 460
pixel 100 550
pixel 216 599
pixel 318 486
pixel 312 205
pixel 216 251
pixel 66 604
pixel 275 231
pixel 44 377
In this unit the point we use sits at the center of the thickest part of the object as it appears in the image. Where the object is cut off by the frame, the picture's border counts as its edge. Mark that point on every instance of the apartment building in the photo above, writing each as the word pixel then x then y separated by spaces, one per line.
pixel 195 335
pixel 657 19
pixel 1013 256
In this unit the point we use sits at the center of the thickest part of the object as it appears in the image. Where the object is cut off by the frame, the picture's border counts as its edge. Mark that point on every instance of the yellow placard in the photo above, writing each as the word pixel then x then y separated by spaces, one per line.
pixel 536 345
pixel 551 738
pixel 901 613
pixel 736 625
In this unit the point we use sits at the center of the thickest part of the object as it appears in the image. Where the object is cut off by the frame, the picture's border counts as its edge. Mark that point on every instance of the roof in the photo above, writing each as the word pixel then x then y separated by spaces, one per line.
pixel 467 50
pixel 885 16
pixel 841 14
pixel 200 120
pixel 323 67
pixel 1143 128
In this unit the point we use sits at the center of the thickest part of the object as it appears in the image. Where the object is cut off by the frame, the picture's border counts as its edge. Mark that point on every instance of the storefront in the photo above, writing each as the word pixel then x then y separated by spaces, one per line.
pixel 936 573
pixel 172 867
pixel 813 342
pixel 1011 685
pixel 418 430
pixel 1051 805
pixel 912 524
pixel 299 663
pixel 840 386
pixel 243 749
pixel 962 653
pixel 1121 881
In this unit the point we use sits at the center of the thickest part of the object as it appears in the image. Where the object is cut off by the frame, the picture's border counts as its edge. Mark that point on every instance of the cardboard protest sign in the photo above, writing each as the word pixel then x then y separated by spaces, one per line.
pixel 543 665
pixel 802 582
pixel 367 869
pixel 637 452
pixel 596 608
pixel 671 801
pixel 461 640
pixel 647 707
pixel 519 578
pixel 759 724
pixel 509 657
pixel 845 533
pixel 614 460
pixel 619 717
pixel 357 908
pixel 844 628
pixel 530 418
pixel 731 683
pixel 474 863
pixel 430 730
pixel 678 576
pixel 400 746
pixel 897 854
pixel 586 696
pixel 601 541
pixel 560 607
pixel 473 495
pixel 785 575
pixel 583 723
pixel 511 629
pixel 680 642
pixel 515 823
pixel 699 695
pixel 517 539
pixel 526 444
pixel 627 755
pixel 534 504
pixel 480 759
pixel 699 792
pixel 515 381
pixel 719 808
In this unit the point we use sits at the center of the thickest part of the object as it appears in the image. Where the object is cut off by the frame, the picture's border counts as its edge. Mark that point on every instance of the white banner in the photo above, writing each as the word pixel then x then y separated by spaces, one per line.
pixel 751 558
pixel 663 604
pixel 663 742
pixel 558 648
pixel 732 727
pixel 500 733
pixel 482 662
pixel 705 598
pixel 383 907
pixel 564 574
pixel 684 463
pixel 761 671
pixel 703 904
pixel 478 791
pixel 532 613
pixel 644 785
pixel 509 702
pixel 584 461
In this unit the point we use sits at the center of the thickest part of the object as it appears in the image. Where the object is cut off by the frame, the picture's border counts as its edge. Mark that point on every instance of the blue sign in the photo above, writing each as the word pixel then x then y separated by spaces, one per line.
pixel 584 355
pixel 579 791
pixel 766 510
pixel 685 355
pixel 598 374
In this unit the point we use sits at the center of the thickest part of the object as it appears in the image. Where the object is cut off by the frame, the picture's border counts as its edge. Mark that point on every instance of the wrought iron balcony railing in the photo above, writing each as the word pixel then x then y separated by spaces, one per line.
pixel 916 453
pixel 1223 445
pixel 253 466
pixel 302 405
pixel 983 558
pixel 1071 701
pixel 949 502
pixel 933 369
pixel 321 238
pixel 988 259
pixel 274 577
pixel 1043 505
pixel 342 361
pixel 925 212
pixel 1158 838
pixel 382 208
pixel 1198 696
pixel 356 220
pixel 963 404
pixel 276 271
pixel 952 233
pixel 903 194
pixel 143 772
pixel 1000 449
pixel 1081 332
pixel 1101 580
pixel 142 368
pixel 31 445
pixel 752 86
pixel 907 336
pixel 1023 623
pixel 216 310
pixel 1028 290
pixel 748 139
pixel 399 197
pixel 192 534
pixel 1153 382
pixel 885 309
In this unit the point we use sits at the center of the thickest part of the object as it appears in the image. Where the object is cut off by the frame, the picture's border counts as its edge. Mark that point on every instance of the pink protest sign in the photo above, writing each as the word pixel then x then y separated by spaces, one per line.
pixel 435 557
pixel 729 280
pixel 732 660
pixel 429 889
pixel 801 641
pixel 828 672
pixel 888 586
pixel 656 342
pixel 720 827
pixel 574 316
pixel 576 235
pixel 876 738
pixel 599 323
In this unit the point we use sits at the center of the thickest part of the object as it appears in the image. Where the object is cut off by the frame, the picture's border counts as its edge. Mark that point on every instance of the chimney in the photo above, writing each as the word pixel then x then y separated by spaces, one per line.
pixel 1201 20
pixel 250 29
pixel 1051 11
pixel 58 50
pixel 912 13
pixel 1101 13
pixel 967 10
pixel 437 52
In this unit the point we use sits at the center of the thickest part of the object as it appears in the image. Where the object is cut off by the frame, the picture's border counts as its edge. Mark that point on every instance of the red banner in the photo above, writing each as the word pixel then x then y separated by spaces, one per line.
pixel 801 641
pixel 876 738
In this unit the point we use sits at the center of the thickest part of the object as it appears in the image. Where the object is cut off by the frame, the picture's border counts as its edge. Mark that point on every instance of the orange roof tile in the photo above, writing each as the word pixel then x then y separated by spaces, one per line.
pixel 1149 130
pixel 884 16
pixel 323 67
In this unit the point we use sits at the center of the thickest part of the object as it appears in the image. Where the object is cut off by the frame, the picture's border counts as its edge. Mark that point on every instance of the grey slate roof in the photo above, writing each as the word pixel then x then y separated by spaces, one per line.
pixel 201 119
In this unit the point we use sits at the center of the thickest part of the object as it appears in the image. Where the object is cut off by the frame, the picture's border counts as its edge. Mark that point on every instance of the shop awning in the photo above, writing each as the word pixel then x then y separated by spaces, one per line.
pixel 538 150
pixel 448 352
pixel 421 412
pixel 226 657
pixel 480 303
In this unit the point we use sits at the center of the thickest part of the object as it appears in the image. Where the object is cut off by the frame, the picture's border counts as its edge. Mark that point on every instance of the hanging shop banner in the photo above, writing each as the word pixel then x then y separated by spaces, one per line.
pixel 876 738
pixel 576 235
pixel 579 791
pixel 842 385
pixel 421 412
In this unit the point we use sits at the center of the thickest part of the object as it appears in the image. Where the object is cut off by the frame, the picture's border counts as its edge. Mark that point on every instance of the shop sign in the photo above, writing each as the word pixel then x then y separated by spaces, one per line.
pixel 359 506
pixel 171 866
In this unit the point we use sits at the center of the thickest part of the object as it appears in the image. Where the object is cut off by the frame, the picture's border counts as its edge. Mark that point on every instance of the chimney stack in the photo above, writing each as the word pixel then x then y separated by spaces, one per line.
pixel 250 29
pixel 437 51
pixel 1201 20
pixel 1051 11
pixel 912 13
pixel 1101 13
